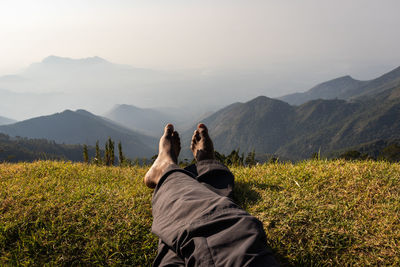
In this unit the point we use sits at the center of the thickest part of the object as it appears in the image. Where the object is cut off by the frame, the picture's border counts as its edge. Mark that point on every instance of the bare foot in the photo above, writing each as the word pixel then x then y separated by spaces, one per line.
pixel 168 152
pixel 201 145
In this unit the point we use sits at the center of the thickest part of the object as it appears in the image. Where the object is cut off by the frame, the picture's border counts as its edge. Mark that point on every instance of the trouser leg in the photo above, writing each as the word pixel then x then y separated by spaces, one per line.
pixel 217 178
pixel 203 226
pixel 166 257
pixel 214 175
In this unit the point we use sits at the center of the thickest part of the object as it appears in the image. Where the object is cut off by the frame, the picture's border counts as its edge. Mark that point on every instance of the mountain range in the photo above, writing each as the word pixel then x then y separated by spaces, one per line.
pixel 330 117
pixel 83 127
pixel 96 84
pixel 370 112
pixel 346 88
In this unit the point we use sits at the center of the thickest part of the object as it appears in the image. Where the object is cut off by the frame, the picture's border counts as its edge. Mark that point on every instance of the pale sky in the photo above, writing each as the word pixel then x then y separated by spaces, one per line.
pixel 238 34
pixel 277 46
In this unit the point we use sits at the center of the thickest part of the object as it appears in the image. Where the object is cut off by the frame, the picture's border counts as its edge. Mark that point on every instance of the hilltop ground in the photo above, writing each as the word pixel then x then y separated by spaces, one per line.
pixel 314 212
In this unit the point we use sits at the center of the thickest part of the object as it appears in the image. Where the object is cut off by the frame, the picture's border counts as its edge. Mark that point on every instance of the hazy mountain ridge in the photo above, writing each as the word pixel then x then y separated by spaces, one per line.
pixel 96 84
pixel 82 127
pixel 346 88
pixel 151 121
pixel 58 83
pixel 4 120
pixel 65 60
pixel 146 120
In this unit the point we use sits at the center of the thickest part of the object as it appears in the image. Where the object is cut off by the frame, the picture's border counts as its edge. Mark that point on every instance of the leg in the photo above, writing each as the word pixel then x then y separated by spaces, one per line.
pixel 202 227
pixel 169 148
pixel 205 229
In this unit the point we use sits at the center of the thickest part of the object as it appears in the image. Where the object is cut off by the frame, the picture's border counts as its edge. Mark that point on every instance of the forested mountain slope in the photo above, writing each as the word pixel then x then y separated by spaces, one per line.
pixel 296 132
pixel 27 150
pixel 82 127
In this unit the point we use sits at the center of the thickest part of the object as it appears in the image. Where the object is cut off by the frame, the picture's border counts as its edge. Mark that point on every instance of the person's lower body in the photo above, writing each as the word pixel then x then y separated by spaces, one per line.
pixel 197 222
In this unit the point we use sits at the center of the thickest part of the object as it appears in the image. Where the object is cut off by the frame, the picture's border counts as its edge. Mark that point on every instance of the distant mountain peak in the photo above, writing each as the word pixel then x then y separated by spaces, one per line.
pixel 126 106
pixel 67 111
pixel 264 100
pixel 78 112
pixel 83 111
pixel 332 83
pixel 261 99
pixel 66 60
pixel 346 77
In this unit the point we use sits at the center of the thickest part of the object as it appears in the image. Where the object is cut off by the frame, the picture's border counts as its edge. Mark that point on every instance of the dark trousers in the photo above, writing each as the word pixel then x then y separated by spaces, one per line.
pixel 198 224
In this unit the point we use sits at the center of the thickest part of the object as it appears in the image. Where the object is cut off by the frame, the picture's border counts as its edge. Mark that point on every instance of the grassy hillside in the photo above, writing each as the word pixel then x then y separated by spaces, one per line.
pixel 314 212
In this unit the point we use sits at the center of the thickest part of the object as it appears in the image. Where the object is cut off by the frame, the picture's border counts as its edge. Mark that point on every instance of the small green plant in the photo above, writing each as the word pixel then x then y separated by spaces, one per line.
pixel 390 153
pixel 251 159
pixel 121 157
pixel 85 154
pixel 97 159
pixel 109 157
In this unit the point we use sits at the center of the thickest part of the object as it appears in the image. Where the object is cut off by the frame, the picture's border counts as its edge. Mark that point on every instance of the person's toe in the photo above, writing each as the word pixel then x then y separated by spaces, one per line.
pixel 169 129
pixel 202 126
pixel 203 131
